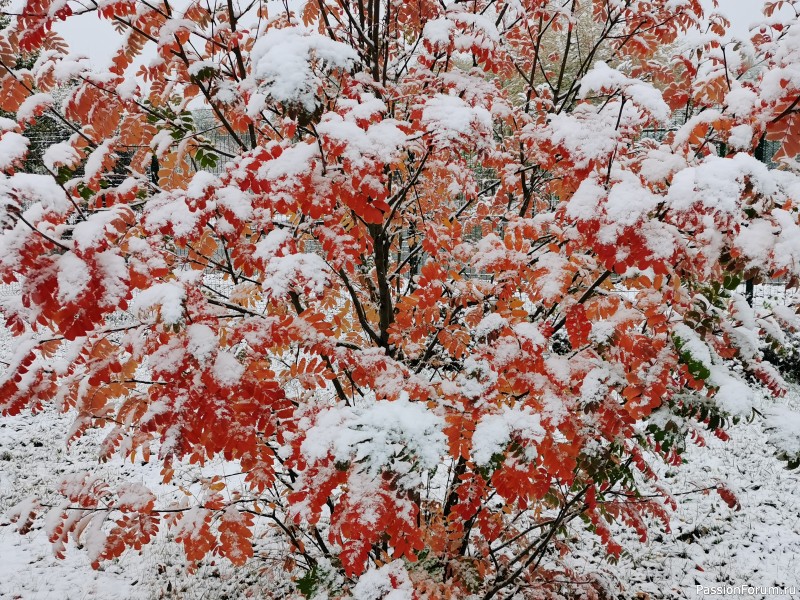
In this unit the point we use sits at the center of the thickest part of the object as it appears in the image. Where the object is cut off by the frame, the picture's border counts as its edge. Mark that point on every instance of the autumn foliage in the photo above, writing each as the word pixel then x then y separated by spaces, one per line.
pixel 444 279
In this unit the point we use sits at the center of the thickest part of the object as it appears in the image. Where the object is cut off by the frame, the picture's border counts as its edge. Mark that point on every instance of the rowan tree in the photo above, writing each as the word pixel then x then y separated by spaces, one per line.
pixel 462 279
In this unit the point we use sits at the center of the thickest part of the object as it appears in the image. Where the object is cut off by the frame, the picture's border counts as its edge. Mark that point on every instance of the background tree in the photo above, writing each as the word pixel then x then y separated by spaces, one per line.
pixel 423 375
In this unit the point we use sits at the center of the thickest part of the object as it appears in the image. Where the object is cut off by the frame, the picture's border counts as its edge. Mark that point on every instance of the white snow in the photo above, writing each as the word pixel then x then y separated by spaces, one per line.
pixel 733 395
pixel 741 137
pixel 783 425
pixel 287 62
pixel 449 119
pixel 283 274
pixel 13 148
pixel 167 298
pixel 628 200
pixel 494 430
pixel 718 183
pixel 387 433
pixel 389 582
pixel 33 106
pixel 37 189
pixel 97 226
pixel 96 159
pixel 489 324
pixel 293 161
pixel 438 31
pixel 73 277
pixel 238 202
pixel 202 343
pixel 603 78
pixel 7 124
pixel 691 343
pixel 60 154
pixel 583 135
pixel 380 140
pixel 171 210
pixel 741 100
pixel 530 332
pixel 227 370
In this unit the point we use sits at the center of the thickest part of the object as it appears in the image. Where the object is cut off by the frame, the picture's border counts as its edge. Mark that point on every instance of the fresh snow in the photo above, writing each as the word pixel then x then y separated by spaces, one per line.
pixel 494 431
pixel 13 147
pixel 284 62
pixel 384 434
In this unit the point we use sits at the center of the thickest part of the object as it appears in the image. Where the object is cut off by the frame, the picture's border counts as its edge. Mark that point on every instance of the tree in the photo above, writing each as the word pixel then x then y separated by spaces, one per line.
pixel 448 295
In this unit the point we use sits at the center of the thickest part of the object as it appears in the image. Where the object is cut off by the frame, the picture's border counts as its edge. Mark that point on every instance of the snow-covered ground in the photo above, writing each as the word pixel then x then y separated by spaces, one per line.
pixel 33 458
pixel 711 544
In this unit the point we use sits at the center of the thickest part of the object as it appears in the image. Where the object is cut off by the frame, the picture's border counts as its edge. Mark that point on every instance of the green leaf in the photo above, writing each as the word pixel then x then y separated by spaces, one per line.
pixel 64 175
pixel 85 192
pixel 731 282
pixel 307 584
